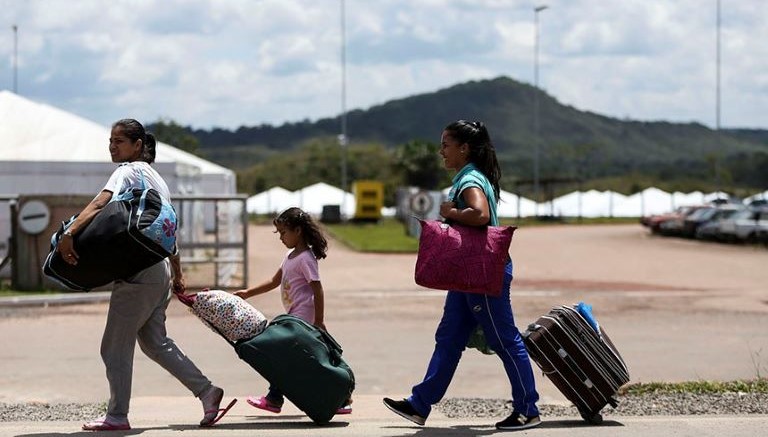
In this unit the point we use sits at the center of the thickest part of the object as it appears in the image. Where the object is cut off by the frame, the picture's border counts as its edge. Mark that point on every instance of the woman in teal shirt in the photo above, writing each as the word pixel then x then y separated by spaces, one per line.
pixel 466 148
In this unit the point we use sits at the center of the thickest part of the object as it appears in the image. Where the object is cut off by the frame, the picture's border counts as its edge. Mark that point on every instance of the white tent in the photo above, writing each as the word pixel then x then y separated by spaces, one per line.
pixel 687 199
pixel 590 203
pixel 45 150
pixel 272 201
pixel 512 205
pixel 509 204
pixel 312 199
pixel 757 196
pixel 37 133
pixel 716 195
pixel 647 202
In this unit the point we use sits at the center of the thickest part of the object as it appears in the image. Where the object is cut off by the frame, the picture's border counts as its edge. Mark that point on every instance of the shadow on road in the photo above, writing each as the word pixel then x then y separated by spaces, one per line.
pixel 474 430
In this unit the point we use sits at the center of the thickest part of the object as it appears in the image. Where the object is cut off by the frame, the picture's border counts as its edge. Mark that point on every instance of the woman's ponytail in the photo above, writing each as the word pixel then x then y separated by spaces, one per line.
pixel 150 149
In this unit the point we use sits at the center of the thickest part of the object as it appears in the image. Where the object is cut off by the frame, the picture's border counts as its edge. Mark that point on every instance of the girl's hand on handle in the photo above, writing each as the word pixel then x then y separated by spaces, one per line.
pixel 321 325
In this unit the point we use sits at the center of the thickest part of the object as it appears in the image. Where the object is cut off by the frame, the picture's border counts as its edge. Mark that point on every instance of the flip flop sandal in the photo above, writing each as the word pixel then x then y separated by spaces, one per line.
pixel 103 425
pixel 219 414
pixel 263 404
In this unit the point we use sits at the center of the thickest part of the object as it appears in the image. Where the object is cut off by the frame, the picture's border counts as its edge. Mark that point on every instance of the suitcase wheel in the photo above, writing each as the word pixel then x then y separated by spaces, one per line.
pixel 592 418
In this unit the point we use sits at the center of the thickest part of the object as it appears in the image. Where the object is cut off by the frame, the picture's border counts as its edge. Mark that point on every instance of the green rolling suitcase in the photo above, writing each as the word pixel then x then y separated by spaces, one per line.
pixel 304 363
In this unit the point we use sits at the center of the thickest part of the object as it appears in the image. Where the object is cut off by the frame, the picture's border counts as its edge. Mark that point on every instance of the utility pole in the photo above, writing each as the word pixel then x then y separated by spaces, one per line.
pixel 15 59
pixel 537 137
pixel 343 141
pixel 717 107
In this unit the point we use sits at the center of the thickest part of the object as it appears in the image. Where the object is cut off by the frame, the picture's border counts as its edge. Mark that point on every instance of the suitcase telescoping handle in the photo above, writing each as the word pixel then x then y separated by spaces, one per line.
pixel 567 359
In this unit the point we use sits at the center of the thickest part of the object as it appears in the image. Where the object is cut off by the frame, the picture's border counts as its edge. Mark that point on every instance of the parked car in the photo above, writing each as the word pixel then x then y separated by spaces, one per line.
pixel 710 229
pixel 674 225
pixel 653 222
pixel 692 221
pixel 748 225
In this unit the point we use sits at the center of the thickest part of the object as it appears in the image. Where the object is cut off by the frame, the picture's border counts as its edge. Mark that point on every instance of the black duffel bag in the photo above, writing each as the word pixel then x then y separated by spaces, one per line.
pixel 135 230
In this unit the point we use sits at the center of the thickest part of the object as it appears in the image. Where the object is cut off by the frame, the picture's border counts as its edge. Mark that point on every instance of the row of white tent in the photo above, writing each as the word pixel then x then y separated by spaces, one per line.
pixel 590 203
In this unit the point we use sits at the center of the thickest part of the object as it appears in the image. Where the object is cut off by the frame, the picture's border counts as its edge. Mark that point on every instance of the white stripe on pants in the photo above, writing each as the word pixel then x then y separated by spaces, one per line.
pixel 137 312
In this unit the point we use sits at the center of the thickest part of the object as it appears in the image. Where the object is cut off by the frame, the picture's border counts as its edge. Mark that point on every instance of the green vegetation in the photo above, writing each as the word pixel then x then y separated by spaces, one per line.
pixel 387 236
pixel 390 236
pixel 532 221
pixel 757 385
pixel 10 293
pixel 601 152
pixel 170 132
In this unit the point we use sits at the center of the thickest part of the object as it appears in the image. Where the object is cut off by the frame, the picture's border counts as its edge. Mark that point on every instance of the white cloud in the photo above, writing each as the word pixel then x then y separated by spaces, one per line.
pixel 244 62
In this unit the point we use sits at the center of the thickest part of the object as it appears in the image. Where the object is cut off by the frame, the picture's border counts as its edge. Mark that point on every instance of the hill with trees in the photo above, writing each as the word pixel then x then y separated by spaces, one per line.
pixel 572 143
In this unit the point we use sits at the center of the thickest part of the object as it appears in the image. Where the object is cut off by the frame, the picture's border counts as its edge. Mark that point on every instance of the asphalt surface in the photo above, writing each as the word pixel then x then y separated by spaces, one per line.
pixel 677 310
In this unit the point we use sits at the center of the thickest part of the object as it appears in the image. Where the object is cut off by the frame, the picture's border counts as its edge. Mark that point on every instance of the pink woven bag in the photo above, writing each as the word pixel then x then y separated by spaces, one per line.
pixel 463 258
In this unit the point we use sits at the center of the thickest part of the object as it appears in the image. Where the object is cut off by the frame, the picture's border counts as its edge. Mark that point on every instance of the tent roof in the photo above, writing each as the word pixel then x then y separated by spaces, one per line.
pixel 34 131
pixel 273 200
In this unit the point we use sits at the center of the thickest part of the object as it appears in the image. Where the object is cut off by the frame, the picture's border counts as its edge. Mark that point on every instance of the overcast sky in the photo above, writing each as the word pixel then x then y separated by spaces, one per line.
pixel 229 63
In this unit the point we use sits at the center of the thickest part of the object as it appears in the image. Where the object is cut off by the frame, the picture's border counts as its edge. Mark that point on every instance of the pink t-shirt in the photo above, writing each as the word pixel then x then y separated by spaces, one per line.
pixel 298 272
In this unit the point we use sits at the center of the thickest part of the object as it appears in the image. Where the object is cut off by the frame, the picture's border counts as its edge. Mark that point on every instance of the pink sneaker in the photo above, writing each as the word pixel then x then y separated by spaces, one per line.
pixel 346 409
pixel 263 404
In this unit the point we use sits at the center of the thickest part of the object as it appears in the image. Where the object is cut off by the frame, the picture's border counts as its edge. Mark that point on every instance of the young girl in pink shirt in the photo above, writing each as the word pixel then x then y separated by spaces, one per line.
pixel 299 281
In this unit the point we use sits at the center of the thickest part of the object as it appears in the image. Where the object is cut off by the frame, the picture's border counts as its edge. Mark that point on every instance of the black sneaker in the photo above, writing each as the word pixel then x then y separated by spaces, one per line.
pixel 405 409
pixel 518 421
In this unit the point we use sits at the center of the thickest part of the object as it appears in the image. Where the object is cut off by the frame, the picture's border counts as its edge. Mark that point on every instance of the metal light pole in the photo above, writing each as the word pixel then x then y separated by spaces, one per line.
pixel 717 105
pixel 15 59
pixel 537 138
pixel 343 136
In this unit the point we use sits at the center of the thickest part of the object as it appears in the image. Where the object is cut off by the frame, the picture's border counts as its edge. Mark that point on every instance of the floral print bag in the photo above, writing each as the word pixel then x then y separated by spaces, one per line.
pixel 229 315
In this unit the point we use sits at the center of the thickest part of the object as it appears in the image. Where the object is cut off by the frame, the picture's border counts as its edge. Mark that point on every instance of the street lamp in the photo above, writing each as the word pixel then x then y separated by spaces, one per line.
pixel 343 140
pixel 537 139
pixel 717 106
pixel 15 59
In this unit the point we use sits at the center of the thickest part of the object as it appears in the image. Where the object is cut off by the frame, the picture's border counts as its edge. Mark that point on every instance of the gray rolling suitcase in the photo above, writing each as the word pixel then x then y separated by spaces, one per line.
pixel 579 358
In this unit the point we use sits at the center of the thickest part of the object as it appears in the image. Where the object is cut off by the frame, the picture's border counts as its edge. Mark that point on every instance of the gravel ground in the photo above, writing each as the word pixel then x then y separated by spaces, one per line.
pixel 681 404
pixel 42 412
pixel 629 405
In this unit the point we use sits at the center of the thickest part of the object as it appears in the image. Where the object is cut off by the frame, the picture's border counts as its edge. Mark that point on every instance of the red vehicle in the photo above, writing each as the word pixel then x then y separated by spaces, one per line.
pixel 654 222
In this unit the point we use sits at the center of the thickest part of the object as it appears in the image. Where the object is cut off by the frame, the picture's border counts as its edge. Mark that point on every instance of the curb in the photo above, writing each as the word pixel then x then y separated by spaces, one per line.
pixel 45 300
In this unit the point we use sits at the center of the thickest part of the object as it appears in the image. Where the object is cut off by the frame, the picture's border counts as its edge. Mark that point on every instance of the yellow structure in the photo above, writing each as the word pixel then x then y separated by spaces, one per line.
pixel 369 199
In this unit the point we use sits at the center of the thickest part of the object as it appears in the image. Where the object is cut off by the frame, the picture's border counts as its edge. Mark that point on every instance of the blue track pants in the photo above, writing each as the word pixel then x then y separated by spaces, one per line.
pixel 461 315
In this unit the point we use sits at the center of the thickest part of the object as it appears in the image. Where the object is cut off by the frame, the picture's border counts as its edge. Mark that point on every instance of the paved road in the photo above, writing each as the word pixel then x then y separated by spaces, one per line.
pixel 677 310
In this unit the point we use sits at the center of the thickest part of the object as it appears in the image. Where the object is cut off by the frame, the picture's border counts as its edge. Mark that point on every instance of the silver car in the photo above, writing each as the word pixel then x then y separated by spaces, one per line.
pixel 710 230
pixel 749 225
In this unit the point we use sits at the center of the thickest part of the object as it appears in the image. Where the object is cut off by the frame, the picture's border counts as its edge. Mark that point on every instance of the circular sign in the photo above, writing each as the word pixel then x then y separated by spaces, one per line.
pixel 421 202
pixel 34 217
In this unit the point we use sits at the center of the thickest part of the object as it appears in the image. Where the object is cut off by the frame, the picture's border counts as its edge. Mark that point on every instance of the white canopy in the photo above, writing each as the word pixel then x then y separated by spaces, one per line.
pixel 48 151
pixel 647 202
pixel 590 203
pixel 512 205
pixel 36 132
pixel 272 201
pixel 311 199
pixel 757 196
